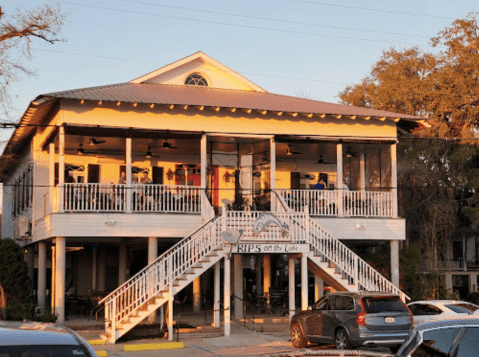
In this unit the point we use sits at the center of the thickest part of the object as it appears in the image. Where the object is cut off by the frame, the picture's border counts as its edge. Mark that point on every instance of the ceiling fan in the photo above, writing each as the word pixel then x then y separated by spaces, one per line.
pixel 349 154
pixel 291 151
pixel 167 145
pixel 322 161
pixel 94 141
pixel 82 151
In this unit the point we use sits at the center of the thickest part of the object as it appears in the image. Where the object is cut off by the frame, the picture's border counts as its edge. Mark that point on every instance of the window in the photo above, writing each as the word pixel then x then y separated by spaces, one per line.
pixel 424 309
pixel 344 303
pixel 436 343
pixel 23 191
pixel 469 344
pixel 321 304
pixel 374 305
pixel 196 80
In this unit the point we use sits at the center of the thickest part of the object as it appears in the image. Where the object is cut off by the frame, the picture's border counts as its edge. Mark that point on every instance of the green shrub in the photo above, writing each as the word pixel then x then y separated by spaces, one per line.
pixel 15 281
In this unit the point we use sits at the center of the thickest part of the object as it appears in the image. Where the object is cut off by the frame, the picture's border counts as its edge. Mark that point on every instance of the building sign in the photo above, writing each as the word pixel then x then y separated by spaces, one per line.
pixel 248 248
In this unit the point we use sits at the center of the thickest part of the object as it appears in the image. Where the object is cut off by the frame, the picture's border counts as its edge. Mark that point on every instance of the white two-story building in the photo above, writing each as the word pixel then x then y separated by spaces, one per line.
pixel 180 178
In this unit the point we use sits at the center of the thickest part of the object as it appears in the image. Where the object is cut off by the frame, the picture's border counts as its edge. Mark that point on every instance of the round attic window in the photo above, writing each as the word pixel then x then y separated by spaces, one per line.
pixel 196 80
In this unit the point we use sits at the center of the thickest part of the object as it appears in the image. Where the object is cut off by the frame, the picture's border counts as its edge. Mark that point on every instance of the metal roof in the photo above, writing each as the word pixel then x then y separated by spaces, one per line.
pixel 152 93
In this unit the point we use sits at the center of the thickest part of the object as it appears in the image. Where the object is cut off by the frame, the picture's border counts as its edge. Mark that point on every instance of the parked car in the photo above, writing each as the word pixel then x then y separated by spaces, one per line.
pixel 448 336
pixel 34 339
pixel 456 336
pixel 350 320
pixel 433 309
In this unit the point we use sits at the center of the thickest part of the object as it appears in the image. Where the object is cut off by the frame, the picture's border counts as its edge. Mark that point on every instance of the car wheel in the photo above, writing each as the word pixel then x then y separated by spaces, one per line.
pixel 297 337
pixel 342 340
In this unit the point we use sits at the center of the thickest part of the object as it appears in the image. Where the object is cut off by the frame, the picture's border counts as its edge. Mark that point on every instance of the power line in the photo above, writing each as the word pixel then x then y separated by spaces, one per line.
pixel 243 26
pixel 372 9
pixel 270 19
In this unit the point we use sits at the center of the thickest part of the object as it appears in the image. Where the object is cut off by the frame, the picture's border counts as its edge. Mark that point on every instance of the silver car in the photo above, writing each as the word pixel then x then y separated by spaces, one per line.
pixel 33 339
pixel 350 319
pixel 456 336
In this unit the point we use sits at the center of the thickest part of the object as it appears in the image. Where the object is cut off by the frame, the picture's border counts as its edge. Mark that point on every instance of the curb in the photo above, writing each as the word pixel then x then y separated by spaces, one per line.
pixel 153 346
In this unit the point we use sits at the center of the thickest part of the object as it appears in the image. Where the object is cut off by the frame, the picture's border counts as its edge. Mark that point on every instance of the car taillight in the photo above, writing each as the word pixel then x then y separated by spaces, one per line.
pixel 361 318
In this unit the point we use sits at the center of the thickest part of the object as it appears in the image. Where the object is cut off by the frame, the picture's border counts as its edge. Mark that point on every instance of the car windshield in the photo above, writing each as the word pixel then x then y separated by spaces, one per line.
pixel 42 351
pixel 462 308
pixel 383 304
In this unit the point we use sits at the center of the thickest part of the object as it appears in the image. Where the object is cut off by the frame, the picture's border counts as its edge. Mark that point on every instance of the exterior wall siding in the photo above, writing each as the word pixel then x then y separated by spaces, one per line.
pixel 365 228
pixel 117 225
pixel 8 220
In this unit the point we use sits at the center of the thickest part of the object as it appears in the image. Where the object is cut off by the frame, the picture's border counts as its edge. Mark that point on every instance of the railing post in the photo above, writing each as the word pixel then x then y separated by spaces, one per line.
pixel 113 320
pixel 306 224
pixel 356 271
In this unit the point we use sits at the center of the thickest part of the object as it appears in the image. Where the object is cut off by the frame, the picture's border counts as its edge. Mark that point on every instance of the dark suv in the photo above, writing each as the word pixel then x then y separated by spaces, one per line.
pixel 351 319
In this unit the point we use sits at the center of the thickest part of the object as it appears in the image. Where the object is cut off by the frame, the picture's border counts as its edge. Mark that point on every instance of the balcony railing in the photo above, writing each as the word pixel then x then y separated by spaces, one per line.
pixel 98 197
pixel 340 203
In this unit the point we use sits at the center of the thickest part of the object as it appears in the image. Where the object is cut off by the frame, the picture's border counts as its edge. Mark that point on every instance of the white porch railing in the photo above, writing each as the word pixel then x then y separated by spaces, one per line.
pixel 364 276
pixel 98 197
pixel 293 222
pixel 340 203
pixel 164 198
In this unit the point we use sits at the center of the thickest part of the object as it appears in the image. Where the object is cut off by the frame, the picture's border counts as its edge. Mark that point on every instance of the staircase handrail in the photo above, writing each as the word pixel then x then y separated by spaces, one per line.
pixel 158 275
pixel 282 201
pixel 350 263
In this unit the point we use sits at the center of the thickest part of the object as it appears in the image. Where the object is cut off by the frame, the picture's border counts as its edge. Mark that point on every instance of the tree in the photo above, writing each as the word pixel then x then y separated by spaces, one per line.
pixel 14 280
pixel 17 34
pixel 435 177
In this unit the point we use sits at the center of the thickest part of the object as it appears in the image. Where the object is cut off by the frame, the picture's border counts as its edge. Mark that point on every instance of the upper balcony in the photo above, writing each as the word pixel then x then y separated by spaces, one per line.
pixel 151 198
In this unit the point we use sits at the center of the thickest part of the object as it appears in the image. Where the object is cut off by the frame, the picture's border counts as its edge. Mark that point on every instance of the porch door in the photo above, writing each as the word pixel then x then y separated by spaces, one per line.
pixel 158 175
pixel 93 173
pixel 295 180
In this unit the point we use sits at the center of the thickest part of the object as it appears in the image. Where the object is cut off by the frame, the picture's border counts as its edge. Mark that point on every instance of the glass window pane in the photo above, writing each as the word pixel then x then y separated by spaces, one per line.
pixel 469 345
pixel 437 343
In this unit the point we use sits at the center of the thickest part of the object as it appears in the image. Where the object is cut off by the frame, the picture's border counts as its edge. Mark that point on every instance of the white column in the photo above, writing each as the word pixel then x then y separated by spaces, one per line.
pixel 272 169
pixel 101 279
pixel 170 313
pixel 42 276
pixel 61 169
pixel 318 288
pixel 51 171
pixel 197 295
pixel 93 269
pixel 217 292
pixel 122 264
pixel 266 274
pixel 339 178
pixel 292 287
pixel 238 285
pixel 395 262
pixel 53 286
pixel 227 295
pixel 362 172
pixel 203 148
pixel 60 251
pixel 129 193
pixel 304 281
pixel 394 180
pixel 152 255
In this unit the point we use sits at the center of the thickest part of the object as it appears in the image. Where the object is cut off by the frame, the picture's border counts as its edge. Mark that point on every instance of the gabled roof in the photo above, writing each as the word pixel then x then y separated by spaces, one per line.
pixel 204 58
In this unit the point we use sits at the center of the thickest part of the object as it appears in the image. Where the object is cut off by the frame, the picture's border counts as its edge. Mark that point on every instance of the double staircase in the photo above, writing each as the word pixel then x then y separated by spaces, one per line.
pixel 171 272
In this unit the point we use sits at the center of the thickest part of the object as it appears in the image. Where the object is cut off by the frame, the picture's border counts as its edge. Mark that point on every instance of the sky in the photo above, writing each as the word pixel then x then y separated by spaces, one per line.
pixel 306 48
